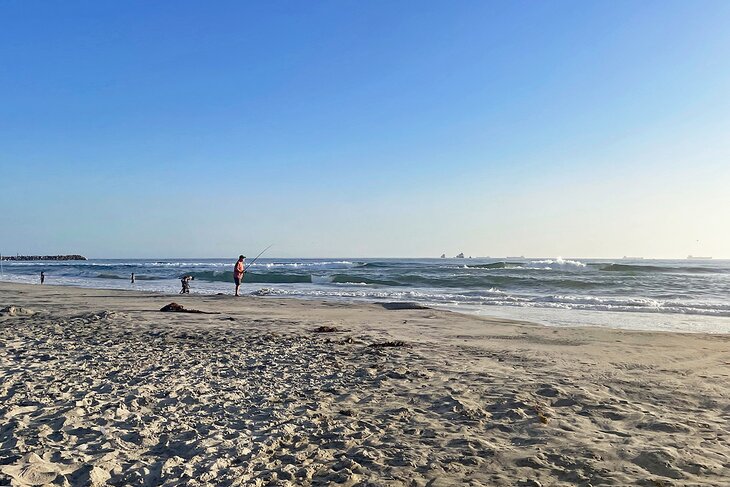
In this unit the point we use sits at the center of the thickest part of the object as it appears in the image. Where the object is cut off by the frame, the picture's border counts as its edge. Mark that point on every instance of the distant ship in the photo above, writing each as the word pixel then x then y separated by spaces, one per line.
pixel 633 258
pixel 514 257
pixel 460 256
pixel 443 256
pixel 693 257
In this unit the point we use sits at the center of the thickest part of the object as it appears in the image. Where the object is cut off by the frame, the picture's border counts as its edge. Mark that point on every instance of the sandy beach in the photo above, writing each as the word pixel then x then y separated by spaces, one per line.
pixel 101 388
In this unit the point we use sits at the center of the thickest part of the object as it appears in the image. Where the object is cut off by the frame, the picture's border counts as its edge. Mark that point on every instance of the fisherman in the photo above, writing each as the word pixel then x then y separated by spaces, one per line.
pixel 43 277
pixel 185 281
pixel 238 271
pixel 132 280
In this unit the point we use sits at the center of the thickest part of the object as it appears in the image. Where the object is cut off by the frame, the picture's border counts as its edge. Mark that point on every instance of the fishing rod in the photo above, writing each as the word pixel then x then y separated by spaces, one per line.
pixel 257 258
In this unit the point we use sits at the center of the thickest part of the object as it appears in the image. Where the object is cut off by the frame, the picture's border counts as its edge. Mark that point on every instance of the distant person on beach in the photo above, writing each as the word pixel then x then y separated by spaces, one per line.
pixel 43 277
pixel 185 281
pixel 238 271
pixel 132 280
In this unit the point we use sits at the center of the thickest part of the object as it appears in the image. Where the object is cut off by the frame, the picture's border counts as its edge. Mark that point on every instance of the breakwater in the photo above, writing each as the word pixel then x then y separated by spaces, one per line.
pixel 43 257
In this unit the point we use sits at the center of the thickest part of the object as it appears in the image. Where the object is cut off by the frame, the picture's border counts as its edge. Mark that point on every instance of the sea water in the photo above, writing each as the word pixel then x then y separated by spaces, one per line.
pixel 674 295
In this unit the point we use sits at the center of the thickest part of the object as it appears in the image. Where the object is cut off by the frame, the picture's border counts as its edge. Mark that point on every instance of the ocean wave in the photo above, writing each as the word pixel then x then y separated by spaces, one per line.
pixel 391 264
pixel 413 280
pixel 252 277
pixel 496 265
pixel 583 303
pixel 637 302
pixel 292 278
pixel 178 264
pixel 334 264
pixel 356 279
pixel 558 263
pixel 546 264
pixel 654 268
pixel 109 276
pixel 138 277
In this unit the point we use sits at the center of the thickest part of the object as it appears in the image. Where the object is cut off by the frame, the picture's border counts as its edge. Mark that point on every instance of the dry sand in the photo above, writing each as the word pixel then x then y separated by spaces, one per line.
pixel 99 388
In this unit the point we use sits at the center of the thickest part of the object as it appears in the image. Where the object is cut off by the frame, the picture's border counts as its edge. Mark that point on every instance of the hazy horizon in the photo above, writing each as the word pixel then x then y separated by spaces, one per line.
pixel 233 257
pixel 366 129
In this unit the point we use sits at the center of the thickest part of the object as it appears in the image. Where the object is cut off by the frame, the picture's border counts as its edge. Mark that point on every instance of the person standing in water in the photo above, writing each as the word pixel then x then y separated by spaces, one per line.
pixel 238 271
pixel 43 277
pixel 132 279
pixel 185 281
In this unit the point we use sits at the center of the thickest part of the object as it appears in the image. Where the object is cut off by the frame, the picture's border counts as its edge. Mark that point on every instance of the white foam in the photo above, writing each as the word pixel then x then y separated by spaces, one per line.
pixel 558 263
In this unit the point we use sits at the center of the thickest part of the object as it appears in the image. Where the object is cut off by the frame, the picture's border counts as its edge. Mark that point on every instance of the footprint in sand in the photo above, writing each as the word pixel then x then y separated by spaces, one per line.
pixel 33 470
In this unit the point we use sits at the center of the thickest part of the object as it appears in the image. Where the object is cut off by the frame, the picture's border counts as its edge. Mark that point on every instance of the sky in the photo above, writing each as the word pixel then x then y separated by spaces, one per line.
pixel 365 129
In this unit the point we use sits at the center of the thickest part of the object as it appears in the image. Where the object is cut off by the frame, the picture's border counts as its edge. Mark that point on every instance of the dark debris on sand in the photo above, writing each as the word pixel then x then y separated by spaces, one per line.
pixel 326 329
pixel 179 308
pixel 389 344
pixel 403 305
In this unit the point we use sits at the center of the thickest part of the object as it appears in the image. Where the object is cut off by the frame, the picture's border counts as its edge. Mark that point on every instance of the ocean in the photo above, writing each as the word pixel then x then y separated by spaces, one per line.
pixel 672 295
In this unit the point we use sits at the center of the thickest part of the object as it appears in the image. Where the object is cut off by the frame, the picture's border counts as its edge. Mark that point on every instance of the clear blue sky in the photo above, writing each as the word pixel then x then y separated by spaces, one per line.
pixel 377 128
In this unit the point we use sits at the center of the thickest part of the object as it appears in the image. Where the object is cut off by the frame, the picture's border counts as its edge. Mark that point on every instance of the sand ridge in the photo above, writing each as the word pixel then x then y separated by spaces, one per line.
pixel 98 388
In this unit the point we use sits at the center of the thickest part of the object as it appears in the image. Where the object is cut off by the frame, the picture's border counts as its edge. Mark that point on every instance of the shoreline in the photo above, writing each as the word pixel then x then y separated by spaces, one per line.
pixel 102 388
pixel 502 314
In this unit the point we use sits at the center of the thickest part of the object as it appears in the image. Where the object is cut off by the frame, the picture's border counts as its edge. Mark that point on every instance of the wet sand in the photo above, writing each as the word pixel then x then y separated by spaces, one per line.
pixel 100 388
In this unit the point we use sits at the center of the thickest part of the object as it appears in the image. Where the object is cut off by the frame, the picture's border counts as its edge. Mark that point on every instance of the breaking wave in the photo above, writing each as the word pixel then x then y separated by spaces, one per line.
pixel 546 264
pixel 558 263
pixel 494 297
pixel 497 265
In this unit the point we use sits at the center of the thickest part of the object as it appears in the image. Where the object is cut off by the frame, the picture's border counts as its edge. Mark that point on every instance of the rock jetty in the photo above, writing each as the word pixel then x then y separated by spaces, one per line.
pixel 43 257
